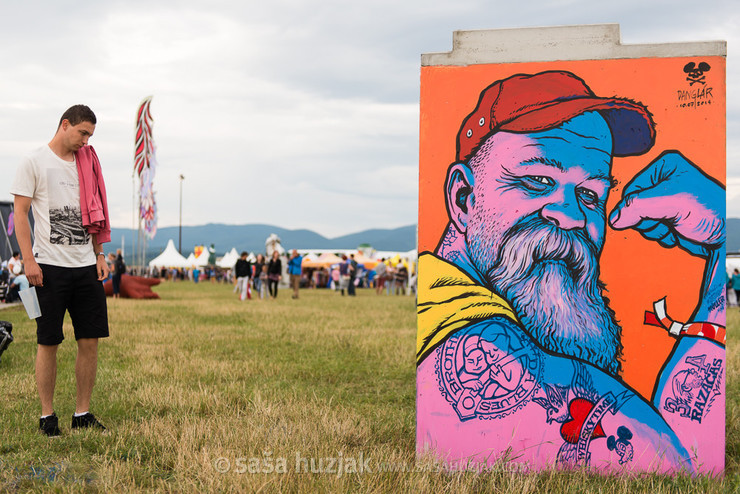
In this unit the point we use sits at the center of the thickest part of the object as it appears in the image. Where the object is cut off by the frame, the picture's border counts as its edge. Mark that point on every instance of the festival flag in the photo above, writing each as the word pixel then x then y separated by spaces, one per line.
pixel 144 145
pixel 145 162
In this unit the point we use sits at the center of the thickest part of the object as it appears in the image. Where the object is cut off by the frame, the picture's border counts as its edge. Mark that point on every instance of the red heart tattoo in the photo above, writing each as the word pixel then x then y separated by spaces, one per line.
pixel 579 409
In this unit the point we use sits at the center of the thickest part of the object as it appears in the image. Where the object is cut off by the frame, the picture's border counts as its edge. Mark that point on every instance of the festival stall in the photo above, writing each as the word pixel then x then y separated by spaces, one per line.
pixel 323 261
pixel 360 258
pixel 202 259
pixel 229 259
pixel 169 258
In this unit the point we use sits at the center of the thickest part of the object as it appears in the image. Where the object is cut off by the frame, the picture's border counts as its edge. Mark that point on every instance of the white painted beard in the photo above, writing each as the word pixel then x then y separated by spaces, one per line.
pixel 550 276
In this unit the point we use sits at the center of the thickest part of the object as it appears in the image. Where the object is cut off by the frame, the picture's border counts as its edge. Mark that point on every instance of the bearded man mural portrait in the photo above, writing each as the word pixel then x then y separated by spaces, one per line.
pixel 520 353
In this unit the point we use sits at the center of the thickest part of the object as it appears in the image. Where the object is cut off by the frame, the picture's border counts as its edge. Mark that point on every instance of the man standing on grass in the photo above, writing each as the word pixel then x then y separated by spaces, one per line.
pixel 63 183
pixel 294 270
pixel 352 269
pixel 380 271
pixel 243 272
pixel 343 274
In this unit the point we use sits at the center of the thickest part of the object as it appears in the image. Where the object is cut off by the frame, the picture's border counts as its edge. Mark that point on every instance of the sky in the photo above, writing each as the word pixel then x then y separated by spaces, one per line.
pixel 296 113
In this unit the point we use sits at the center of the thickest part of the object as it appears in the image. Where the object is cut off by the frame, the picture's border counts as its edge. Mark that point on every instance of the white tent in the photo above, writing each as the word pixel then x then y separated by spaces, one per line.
pixel 191 260
pixel 202 259
pixel 229 259
pixel 169 258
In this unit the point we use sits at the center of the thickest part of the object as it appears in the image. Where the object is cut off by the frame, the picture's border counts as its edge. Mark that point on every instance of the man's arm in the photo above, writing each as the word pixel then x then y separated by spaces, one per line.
pixel 588 406
pixel 101 264
pixel 21 207
pixel 675 203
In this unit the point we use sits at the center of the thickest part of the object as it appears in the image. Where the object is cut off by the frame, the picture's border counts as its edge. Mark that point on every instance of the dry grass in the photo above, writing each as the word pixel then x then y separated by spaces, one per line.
pixel 198 382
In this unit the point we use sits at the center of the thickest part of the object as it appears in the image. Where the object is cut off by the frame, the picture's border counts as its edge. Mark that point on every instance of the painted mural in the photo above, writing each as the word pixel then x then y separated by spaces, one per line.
pixel 571 304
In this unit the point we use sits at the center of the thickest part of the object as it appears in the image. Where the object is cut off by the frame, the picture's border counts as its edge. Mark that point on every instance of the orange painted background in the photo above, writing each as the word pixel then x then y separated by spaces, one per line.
pixel 636 271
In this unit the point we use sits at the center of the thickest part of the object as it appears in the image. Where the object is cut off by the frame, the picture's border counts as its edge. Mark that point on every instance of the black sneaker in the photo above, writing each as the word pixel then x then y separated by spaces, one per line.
pixel 50 425
pixel 86 421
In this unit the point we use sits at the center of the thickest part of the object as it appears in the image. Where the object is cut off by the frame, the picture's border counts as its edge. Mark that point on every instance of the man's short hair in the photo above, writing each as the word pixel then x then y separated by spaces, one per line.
pixel 77 114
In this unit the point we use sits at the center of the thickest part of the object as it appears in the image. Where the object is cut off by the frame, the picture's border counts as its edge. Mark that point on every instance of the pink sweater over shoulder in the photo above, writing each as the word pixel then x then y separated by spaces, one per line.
pixel 93 200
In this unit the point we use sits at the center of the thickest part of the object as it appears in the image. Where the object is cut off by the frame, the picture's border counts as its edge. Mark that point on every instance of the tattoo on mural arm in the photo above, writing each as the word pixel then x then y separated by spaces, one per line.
pixel 580 408
pixel 694 388
pixel 621 444
pixel 488 373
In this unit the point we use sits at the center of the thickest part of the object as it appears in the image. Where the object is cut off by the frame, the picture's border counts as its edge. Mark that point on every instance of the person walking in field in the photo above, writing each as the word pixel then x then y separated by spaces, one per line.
pixel 274 273
pixel 295 271
pixel 119 268
pixel 380 272
pixel 401 275
pixel 343 274
pixel 352 269
pixel 390 275
pixel 257 275
pixel 243 273
pixel 335 277
pixel 263 282
pixel 63 183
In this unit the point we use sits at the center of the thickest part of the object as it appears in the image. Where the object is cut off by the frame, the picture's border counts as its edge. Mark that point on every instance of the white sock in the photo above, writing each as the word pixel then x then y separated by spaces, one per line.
pixel 81 414
pixel 47 416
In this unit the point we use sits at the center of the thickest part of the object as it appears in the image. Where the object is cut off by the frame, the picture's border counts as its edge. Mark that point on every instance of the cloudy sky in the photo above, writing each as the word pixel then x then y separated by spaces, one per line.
pixel 298 113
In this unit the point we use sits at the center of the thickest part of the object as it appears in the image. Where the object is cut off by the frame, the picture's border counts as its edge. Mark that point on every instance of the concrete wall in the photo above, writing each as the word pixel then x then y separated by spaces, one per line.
pixel 545 44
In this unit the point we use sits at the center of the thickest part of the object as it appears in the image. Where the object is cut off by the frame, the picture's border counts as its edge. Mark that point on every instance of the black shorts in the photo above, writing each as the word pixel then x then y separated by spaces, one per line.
pixel 77 290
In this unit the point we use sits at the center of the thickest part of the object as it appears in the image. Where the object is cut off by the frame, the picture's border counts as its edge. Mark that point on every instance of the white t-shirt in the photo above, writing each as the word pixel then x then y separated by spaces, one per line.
pixel 14 267
pixel 54 189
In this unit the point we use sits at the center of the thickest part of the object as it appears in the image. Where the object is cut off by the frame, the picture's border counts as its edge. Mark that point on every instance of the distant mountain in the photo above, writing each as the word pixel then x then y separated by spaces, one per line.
pixel 399 239
pixel 251 238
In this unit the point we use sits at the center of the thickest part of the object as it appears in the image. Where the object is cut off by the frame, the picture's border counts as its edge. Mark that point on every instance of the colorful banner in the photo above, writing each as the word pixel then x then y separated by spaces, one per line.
pixel 145 164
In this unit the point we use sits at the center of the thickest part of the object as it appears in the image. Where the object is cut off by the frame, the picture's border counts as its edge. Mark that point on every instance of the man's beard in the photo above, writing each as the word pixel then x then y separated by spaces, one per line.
pixel 550 276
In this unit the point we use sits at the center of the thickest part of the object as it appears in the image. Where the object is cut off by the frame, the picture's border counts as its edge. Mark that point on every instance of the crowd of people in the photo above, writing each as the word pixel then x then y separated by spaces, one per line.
pixel 260 276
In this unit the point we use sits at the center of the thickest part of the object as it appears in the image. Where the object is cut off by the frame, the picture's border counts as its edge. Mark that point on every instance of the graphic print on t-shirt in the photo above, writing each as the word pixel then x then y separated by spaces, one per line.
pixel 65 214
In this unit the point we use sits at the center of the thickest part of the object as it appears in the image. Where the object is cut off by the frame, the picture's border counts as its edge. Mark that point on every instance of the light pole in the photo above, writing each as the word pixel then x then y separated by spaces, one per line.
pixel 179 244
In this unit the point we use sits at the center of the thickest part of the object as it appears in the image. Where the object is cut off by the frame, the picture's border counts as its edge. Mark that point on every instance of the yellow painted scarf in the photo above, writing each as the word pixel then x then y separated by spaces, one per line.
pixel 450 300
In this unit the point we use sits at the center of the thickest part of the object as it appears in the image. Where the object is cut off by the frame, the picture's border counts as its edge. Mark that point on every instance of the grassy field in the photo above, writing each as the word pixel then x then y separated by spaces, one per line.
pixel 203 393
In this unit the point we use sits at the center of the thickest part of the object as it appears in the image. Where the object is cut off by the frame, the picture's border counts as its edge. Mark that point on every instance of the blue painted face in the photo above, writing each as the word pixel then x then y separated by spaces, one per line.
pixel 562 175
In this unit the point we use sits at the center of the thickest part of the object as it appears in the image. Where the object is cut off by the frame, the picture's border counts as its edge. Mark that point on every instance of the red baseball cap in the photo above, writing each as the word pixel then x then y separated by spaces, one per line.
pixel 530 103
